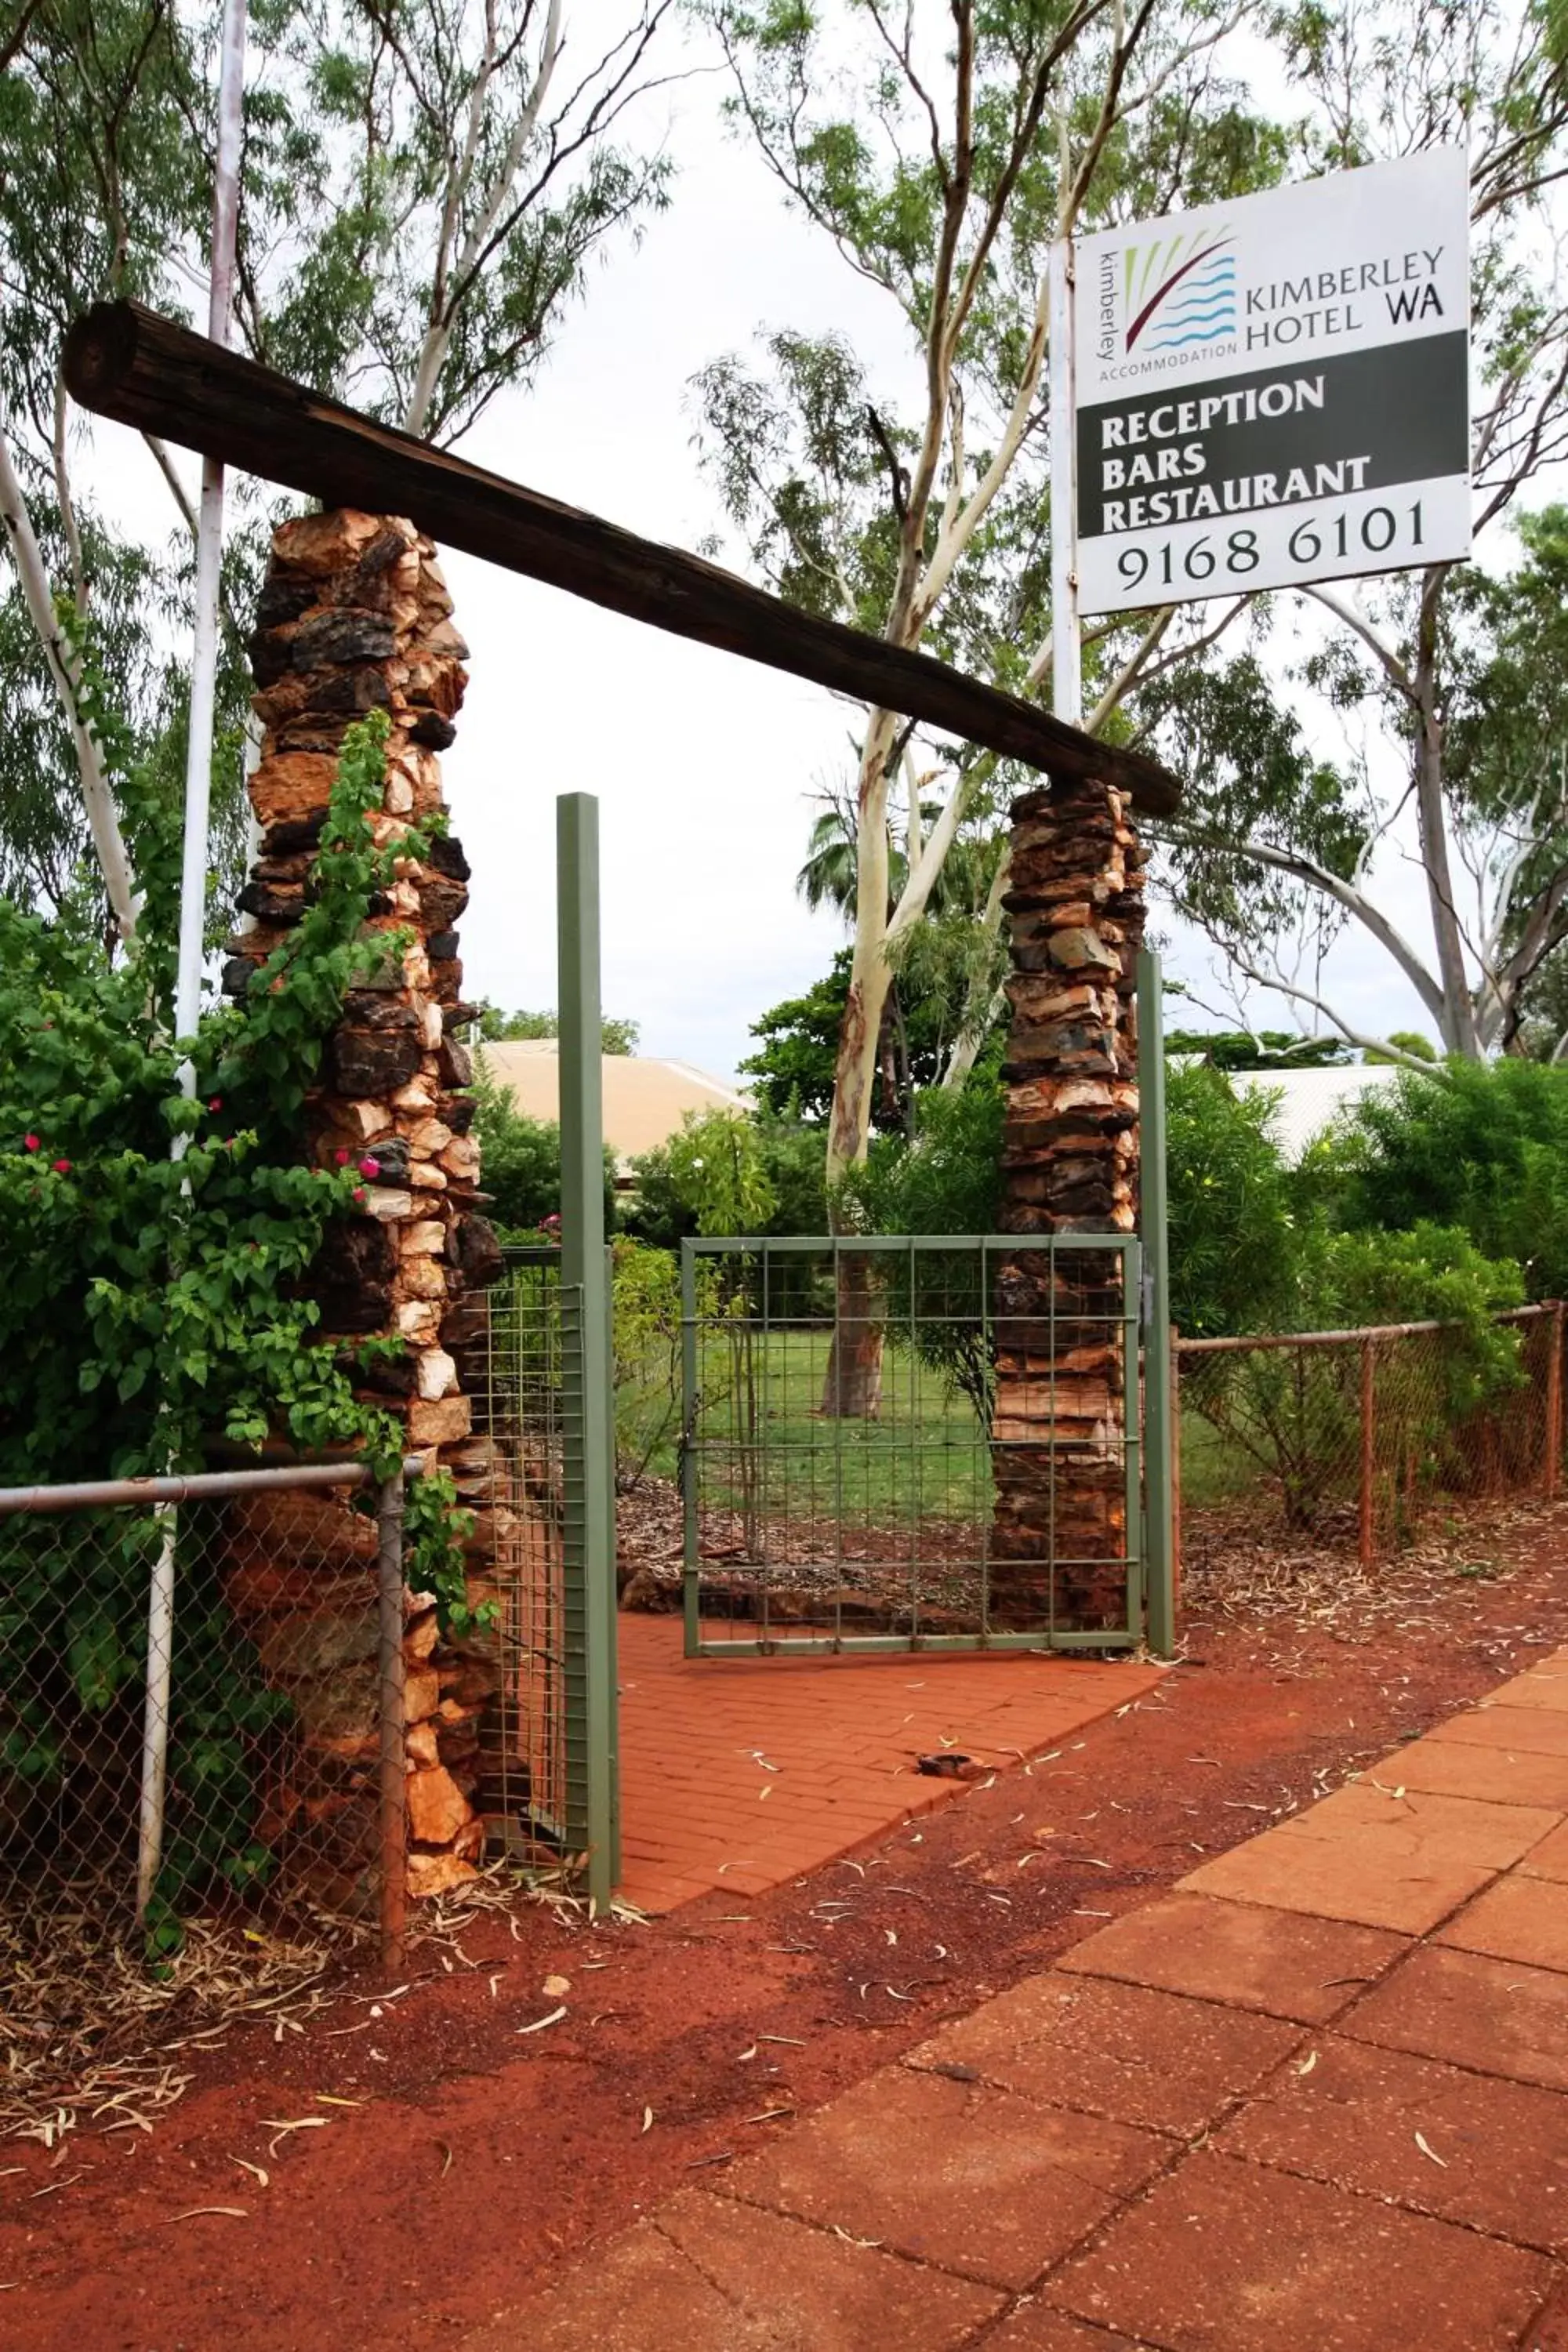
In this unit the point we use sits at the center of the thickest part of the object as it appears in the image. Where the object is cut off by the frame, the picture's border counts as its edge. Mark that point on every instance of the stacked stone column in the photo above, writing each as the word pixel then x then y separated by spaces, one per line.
pixel 354 616
pixel 1070 1166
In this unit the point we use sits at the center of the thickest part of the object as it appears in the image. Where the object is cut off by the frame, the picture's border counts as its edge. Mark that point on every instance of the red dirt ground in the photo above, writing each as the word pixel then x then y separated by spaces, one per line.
pixel 472 2167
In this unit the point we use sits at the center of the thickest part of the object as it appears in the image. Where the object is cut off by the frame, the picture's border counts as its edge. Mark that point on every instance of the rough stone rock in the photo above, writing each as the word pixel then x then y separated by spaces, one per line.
pixel 420 1640
pixel 440 1421
pixel 438 1873
pixel 437 1374
pixel 478 1253
pixel 421 1694
pixel 437 1808
pixel 370 1062
pixel 293 784
pixel 388 1203
pixel 421 1745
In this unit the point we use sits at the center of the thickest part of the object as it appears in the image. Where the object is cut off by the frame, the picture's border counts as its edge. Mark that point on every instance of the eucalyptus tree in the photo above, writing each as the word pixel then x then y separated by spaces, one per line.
pixel 1454 671
pixel 424 188
pixel 941 152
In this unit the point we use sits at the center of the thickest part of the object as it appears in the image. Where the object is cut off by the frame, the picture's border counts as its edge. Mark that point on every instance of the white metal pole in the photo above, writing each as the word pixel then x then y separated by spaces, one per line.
pixel 1067 659
pixel 193 888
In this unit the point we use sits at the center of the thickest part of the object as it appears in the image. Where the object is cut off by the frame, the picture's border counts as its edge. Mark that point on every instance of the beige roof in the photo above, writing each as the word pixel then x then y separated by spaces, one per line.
pixel 645 1100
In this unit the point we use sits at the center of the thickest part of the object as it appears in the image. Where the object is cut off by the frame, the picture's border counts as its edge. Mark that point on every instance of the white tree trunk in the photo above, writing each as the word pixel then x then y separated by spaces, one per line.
pixel 65 668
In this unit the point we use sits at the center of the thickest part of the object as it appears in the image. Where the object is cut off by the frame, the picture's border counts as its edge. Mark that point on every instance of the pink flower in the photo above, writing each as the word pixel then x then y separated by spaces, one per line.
pixel 62 1166
pixel 217 1103
pixel 341 1157
pixel 369 1167
pixel 31 1143
pixel 359 1192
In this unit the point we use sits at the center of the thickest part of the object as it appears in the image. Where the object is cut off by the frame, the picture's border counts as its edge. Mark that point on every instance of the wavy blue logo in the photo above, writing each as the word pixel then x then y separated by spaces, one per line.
pixel 1181 290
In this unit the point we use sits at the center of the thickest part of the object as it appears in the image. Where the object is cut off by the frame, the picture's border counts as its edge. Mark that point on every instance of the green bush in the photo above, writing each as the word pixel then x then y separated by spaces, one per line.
pixel 1235 1235
pixel 1481 1146
pixel 520 1160
pixel 789 1155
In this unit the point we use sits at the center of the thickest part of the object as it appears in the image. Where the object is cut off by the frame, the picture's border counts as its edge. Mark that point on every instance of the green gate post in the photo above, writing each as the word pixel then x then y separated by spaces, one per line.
pixel 1160 1607
pixel 593 1776
pixel 690 1588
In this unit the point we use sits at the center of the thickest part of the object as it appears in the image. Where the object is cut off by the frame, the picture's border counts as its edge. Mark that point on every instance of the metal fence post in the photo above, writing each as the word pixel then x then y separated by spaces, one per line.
pixel 588 1424
pixel 1160 1618
pixel 1176 1470
pixel 690 1584
pixel 394 1808
pixel 1553 1465
pixel 1368 1410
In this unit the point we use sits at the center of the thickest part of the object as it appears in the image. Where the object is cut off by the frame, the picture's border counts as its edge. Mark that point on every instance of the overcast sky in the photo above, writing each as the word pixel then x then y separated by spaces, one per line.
pixel 704 765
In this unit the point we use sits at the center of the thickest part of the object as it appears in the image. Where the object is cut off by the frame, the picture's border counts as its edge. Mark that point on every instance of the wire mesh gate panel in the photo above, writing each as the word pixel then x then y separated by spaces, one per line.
pixel 883 1449
pixel 544 1796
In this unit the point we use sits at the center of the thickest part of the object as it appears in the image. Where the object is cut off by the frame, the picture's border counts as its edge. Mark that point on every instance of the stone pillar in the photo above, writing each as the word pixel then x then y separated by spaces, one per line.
pixel 354 615
pixel 1069 1165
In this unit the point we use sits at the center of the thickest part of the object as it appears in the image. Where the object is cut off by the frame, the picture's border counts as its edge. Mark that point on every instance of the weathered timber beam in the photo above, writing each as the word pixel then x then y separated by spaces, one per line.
pixel 127 362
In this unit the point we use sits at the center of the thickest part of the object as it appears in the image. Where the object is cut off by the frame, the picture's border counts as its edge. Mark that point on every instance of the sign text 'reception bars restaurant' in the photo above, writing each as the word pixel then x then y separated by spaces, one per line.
pixel 1276 391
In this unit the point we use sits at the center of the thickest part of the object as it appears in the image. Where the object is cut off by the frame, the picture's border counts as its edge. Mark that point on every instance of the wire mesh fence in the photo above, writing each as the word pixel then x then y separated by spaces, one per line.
pixel 1350 1440
pixel 897 1441
pixel 262 1780
pixel 520 1410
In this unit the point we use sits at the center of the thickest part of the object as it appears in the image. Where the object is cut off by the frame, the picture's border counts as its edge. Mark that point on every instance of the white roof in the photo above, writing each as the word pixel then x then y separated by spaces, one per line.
pixel 645 1099
pixel 1310 1101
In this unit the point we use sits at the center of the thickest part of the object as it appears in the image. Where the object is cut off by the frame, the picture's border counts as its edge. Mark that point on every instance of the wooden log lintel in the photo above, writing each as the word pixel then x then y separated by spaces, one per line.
pixel 126 362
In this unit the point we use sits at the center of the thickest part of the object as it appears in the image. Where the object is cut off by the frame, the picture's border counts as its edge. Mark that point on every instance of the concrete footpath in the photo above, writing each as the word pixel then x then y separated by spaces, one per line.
pixel 1313 2100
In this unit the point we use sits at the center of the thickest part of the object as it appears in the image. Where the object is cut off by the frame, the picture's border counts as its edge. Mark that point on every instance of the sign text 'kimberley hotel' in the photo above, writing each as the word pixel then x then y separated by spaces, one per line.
pixel 1276 391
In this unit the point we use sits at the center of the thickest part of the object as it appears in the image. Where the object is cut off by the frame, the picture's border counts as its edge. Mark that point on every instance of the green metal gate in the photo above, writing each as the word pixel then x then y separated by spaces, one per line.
pixel 811 1527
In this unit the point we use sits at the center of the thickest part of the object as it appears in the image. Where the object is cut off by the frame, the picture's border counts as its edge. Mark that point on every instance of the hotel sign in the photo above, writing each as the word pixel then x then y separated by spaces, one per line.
pixel 1276 391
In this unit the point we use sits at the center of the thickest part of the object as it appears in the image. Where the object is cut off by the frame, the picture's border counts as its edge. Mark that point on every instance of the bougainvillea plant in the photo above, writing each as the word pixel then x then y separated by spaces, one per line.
pixel 157 1243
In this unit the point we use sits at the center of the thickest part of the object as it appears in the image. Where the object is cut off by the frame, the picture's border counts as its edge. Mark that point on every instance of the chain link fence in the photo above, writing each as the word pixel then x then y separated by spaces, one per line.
pixel 201 1714
pixel 1352 1440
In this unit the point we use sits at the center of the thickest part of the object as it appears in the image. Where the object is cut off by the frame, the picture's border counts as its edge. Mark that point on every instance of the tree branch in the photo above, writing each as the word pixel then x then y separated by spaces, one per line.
pixel 65 670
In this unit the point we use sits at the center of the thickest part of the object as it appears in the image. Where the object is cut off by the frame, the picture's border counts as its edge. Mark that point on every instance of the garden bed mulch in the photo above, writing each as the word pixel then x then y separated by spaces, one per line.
pixel 429 2151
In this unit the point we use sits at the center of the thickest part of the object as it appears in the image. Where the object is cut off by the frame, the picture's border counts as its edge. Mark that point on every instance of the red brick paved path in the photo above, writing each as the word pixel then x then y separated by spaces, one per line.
pixel 1315 2100
pixel 740 1773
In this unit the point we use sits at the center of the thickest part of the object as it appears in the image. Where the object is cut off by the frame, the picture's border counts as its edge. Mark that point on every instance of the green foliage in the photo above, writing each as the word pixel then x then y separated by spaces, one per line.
pixel 1233 1236
pixel 949 1179
pixel 522 1160
pixel 496 1027
pixel 792 1070
pixel 718 1175
pixel 1411 1043
pixel 1264 1049
pixel 423 193
pixel 660 1211
pixel 152 1302
pixel 1485 1148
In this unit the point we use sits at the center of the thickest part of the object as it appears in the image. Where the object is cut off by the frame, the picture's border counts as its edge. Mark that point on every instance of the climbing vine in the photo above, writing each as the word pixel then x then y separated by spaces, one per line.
pixel 158 1250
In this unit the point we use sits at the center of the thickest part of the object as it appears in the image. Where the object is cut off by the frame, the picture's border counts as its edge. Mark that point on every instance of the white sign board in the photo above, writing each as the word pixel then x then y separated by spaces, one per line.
pixel 1276 391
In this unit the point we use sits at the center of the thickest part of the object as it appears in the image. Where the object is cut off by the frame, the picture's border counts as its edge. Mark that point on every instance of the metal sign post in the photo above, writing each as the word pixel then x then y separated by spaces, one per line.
pixel 1276 392
pixel 1067 646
